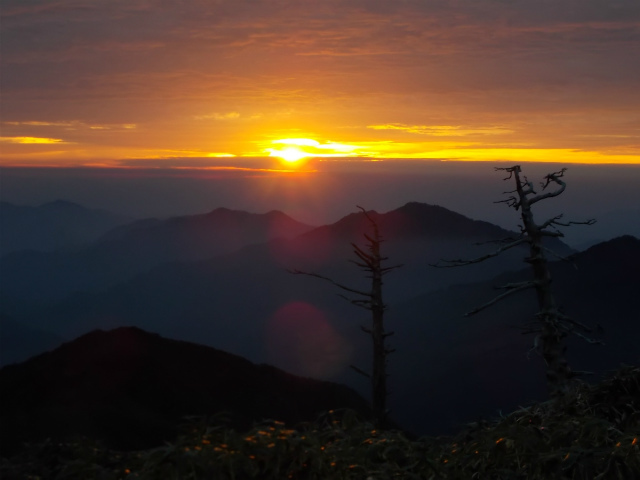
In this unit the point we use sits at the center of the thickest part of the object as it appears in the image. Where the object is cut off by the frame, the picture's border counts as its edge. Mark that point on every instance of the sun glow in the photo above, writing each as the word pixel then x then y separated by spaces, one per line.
pixel 295 149
pixel 291 150
pixel 289 154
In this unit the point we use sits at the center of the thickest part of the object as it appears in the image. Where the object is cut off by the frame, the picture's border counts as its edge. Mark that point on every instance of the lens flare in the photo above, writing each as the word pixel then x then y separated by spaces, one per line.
pixel 300 339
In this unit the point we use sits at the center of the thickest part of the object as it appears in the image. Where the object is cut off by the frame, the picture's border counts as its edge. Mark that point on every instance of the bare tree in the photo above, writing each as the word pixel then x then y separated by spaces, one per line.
pixel 371 262
pixel 551 325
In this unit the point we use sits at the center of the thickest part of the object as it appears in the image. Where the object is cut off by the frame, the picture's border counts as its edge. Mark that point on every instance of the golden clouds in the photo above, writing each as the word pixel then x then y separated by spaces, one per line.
pixel 443 130
pixel 72 125
pixel 32 140
pixel 294 149
pixel 380 79
pixel 219 116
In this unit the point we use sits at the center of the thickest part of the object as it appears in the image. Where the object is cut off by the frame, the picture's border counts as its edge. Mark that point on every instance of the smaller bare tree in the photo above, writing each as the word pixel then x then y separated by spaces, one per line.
pixel 371 261
pixel 551 325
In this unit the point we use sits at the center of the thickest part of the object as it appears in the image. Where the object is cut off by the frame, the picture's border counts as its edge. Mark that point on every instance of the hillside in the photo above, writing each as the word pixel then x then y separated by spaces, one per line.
pixel 132 389
pixel 595 436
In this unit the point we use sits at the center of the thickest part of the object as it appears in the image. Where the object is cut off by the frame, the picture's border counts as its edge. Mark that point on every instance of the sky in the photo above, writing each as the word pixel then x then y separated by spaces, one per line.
pixel 249 86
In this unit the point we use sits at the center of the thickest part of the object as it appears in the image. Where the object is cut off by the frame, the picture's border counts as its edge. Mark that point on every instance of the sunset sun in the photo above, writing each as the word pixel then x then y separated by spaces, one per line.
pixel 290 154
pixel 289 149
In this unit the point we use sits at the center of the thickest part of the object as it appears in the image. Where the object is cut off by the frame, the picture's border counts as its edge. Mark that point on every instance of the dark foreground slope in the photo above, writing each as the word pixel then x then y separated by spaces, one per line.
pixel 132 389
pixel 593 436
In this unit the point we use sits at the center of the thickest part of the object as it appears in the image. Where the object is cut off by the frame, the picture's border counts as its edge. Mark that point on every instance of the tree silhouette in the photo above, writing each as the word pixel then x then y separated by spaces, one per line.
pixel 550 324
pixel 371 261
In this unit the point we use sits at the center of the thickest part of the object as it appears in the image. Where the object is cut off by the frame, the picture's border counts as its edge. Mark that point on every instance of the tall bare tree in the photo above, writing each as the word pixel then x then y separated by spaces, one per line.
pixel 371 261
pixel 551 325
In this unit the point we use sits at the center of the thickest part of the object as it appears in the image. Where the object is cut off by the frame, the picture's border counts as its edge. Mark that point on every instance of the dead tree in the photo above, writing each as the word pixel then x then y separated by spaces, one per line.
pixel 371 262
pixel 550 325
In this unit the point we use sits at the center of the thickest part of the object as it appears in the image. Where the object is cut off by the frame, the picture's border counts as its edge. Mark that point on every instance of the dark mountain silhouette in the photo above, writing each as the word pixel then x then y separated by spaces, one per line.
pixel 131 389
pixel 136 247
pixel 450 369
pixel 52 226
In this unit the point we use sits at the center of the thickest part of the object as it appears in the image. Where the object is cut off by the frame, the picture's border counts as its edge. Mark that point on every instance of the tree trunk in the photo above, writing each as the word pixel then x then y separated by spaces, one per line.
pixel 558 371
pixel 379 368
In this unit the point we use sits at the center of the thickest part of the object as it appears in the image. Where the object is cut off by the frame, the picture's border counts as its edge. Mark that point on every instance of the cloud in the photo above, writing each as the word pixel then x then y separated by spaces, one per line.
pixel 32 140
pixel 444 130
pixel 440 68
pixel 71 125
pixel 219 116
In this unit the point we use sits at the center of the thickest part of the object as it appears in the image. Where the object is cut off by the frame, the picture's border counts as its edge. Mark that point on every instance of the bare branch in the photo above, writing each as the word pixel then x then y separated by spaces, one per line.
pixel 573 322
pixel 551 222
pixel 588 339
pixel 507 169
pixel 560 257
pixel 386 270
pixel 501 240
pixel 552 177
pixel 591 221
pixel 511 289
pixel 366 304
pixel 461 262
pixel 360 371
pixel 339 285
pixel 536 346
pixel 555 221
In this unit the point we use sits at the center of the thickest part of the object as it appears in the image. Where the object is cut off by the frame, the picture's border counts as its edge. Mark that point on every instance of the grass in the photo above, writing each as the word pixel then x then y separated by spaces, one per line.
pixel 594 434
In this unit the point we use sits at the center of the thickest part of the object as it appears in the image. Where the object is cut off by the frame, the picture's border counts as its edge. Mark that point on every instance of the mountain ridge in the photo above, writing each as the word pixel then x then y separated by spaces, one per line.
pixel 132 389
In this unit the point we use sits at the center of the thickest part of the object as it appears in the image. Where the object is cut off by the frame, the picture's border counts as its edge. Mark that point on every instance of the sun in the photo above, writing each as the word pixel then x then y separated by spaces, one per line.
pixel 290 154
pixel 291 149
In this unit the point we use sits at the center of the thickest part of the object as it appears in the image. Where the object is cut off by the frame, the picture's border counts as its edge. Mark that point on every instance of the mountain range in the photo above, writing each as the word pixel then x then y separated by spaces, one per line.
pixel 239 297
pixel 136 247
pixel 52 226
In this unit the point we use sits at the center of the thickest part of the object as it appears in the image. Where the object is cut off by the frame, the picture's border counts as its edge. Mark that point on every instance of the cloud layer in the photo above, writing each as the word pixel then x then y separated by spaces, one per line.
pixel 125 79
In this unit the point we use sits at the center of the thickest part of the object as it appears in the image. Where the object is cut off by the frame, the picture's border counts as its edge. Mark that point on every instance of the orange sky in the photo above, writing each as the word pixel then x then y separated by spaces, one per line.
pixel 214 83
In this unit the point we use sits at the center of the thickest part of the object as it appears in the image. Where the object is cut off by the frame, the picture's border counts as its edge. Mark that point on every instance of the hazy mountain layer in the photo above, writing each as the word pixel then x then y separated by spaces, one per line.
pixel 247 303
pixel 52 226
pixel 136 247
pixel 235 301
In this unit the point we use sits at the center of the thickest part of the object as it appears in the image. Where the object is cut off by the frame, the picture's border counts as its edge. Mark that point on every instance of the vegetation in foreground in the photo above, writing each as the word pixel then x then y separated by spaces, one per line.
pixel 595 435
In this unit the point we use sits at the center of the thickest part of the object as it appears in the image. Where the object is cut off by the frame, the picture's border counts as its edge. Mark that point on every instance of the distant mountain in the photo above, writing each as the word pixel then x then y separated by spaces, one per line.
pixel 18 342
pixel 201 236
pixel 52 226
pixel 136 247
pixel 247 303
pixel 228 301
pixel 132 389
pixel 455 369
